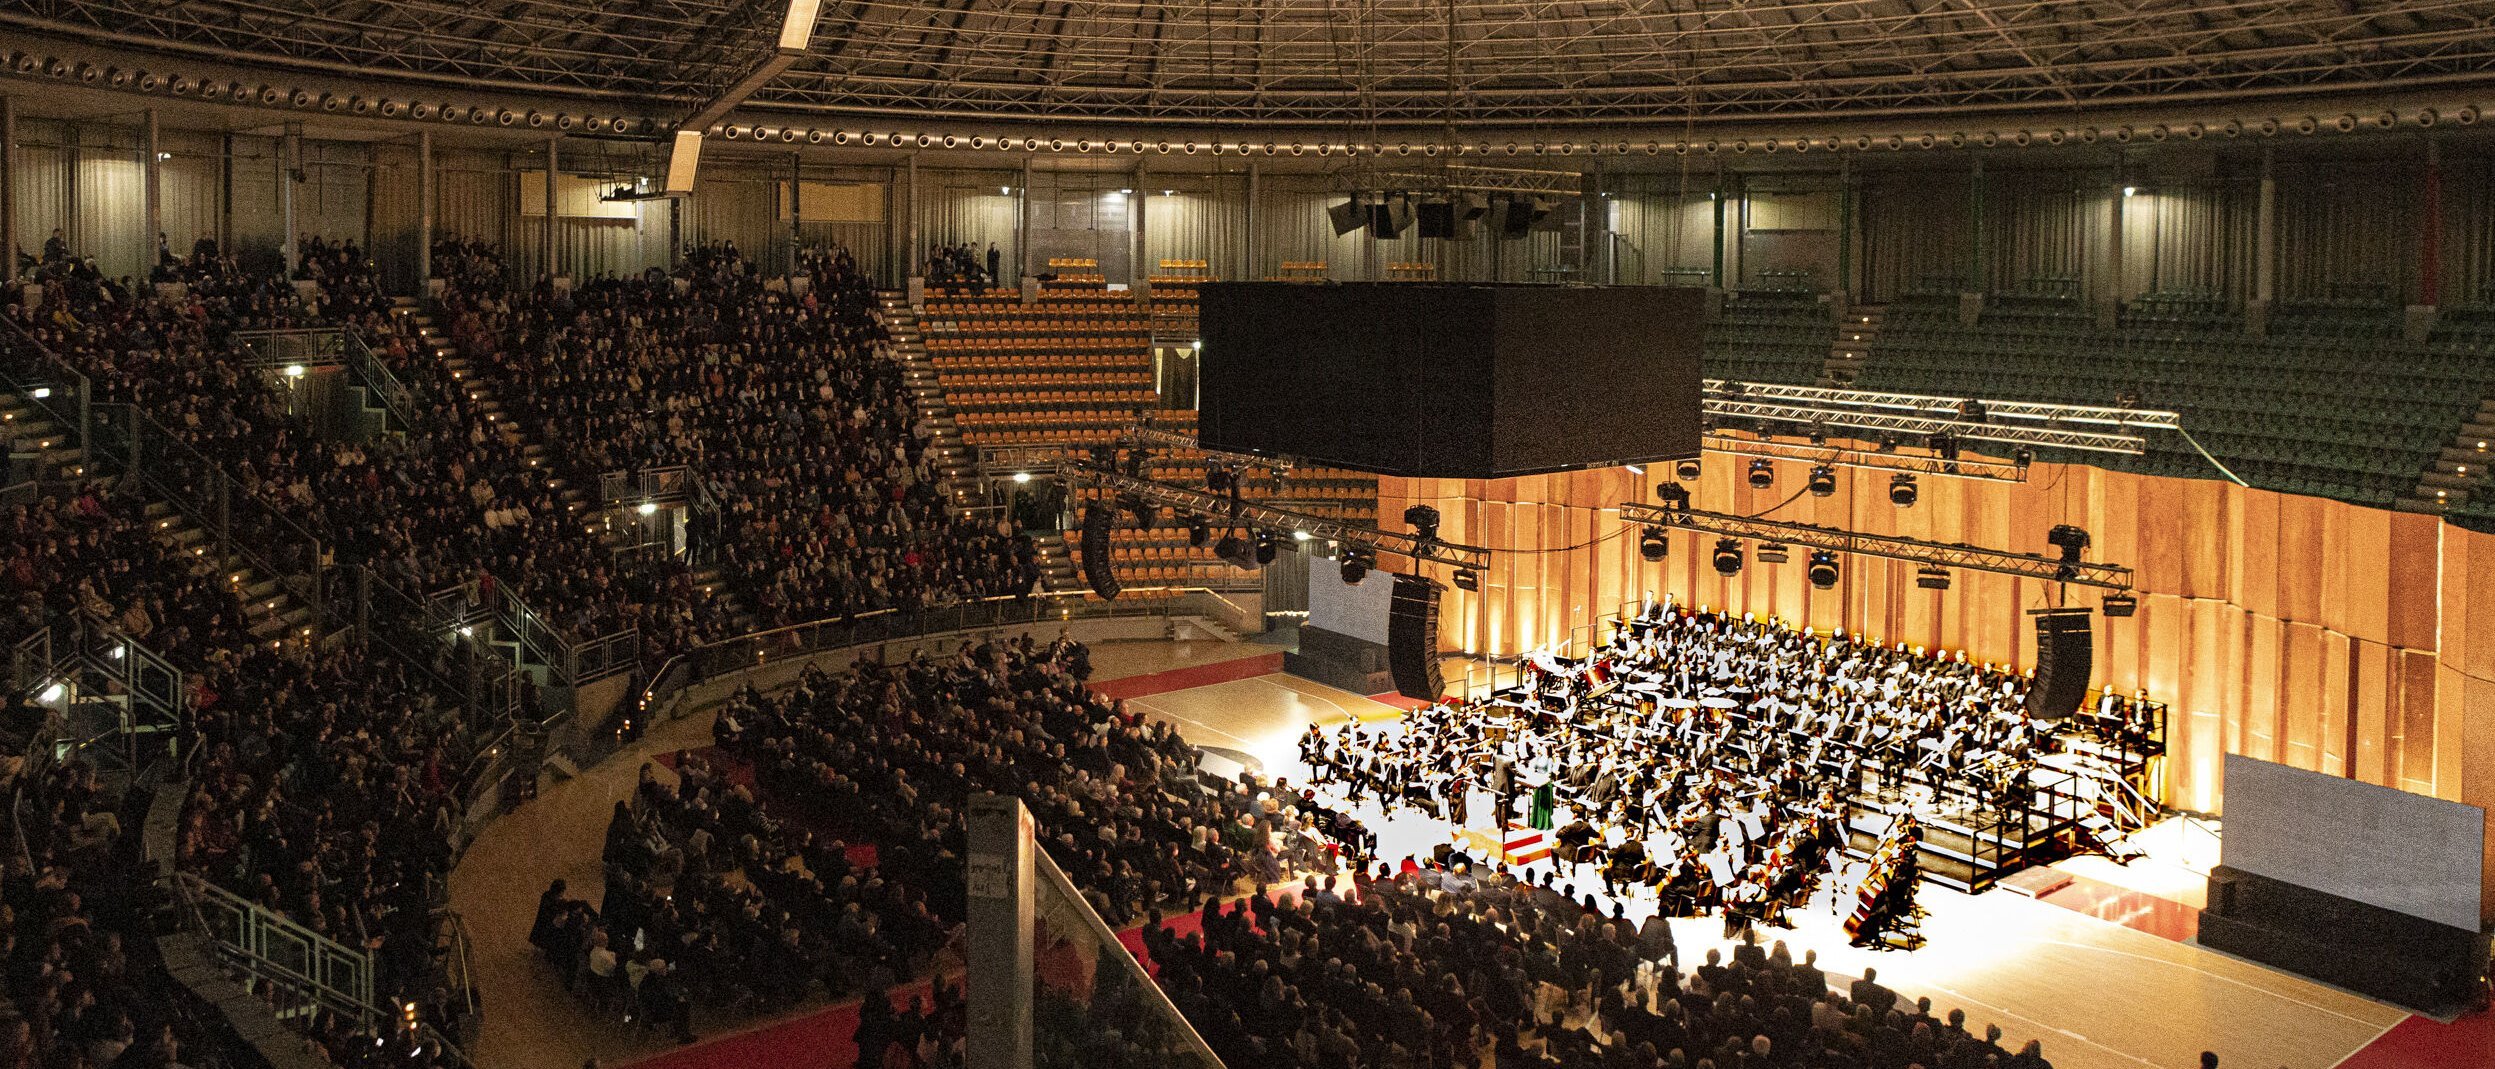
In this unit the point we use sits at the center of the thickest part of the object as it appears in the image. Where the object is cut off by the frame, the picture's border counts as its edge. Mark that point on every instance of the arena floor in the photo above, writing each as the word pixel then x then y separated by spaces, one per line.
pixel 2103 972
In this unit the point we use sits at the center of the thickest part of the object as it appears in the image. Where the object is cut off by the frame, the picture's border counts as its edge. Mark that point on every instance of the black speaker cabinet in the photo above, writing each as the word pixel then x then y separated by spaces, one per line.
pixel 1412 639
pixel 2433 968
pixel 2065 653
pixel 1097 571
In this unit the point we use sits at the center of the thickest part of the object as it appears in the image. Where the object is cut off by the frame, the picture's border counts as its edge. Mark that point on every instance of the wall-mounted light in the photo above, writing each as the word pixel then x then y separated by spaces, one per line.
pixel 294 371
pixel 162 156
pixel 649 508
pixel 2130 191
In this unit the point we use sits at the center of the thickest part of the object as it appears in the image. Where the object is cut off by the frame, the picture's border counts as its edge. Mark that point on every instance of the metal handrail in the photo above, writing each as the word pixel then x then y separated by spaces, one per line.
pixel 691 667
pixel 273 948
pixel 365 363
pixel 27 377
pixel 205 494
pixel 281 346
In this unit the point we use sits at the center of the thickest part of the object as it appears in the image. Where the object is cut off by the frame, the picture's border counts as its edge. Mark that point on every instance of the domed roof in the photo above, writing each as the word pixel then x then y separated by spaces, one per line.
pixel 1409 63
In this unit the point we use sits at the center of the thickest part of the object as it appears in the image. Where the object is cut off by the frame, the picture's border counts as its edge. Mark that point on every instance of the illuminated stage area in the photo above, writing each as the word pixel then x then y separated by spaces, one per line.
pixel 2102 971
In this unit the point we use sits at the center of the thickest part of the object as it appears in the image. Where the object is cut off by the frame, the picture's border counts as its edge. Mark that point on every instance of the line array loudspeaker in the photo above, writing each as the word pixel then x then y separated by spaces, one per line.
pixel 1097 572
pixel 1412 639
pixel 2065 653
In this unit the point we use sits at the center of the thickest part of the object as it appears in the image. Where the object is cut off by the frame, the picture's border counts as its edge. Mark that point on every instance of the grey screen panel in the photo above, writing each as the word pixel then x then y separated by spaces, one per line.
pixel 2403 852
pixel 1360 611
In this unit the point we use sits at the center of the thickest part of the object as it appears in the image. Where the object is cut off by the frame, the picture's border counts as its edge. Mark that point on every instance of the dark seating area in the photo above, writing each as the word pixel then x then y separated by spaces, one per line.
pixel 2341 413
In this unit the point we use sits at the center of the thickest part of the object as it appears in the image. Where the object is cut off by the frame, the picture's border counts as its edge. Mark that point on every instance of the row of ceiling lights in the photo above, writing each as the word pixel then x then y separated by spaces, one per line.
pixel 303 99
pixel 2424 118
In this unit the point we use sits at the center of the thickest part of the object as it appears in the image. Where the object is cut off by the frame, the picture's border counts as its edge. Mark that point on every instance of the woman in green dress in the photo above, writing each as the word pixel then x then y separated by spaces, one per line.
pixel 1543 800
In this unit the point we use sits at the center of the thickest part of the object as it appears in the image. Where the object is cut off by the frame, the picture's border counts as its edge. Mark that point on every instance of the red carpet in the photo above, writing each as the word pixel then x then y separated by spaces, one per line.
pixel 2425 1043
pixel 1201 675
pixel 824 1039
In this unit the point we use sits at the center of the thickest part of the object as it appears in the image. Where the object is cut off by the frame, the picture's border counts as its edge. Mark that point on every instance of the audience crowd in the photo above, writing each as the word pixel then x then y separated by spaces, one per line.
pixel 1437 969
pixel 790 412
pixel 750 906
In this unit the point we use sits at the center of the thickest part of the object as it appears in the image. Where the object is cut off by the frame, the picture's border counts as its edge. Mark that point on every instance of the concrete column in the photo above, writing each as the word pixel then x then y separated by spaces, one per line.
pixel 1139 273
pixel 1250 270
pixel 291 161
pixel 1022 225
pixel 2430 230
pixel 2265 233
pixel 1716 279
pixel 998 937
pixel 153 164
pixel 909 216
pixel 1975 227
pixel 424 209
pixel 1843 291
pixel 796 217
pixel 8 183
pixel 545 237
pixel 2110 294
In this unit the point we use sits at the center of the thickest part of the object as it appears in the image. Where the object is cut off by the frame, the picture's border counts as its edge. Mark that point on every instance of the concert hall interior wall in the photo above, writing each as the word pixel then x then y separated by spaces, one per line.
pixel 2347 640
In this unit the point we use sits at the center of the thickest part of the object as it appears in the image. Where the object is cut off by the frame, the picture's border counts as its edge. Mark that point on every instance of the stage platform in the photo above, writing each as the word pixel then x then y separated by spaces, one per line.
pixel 2102 971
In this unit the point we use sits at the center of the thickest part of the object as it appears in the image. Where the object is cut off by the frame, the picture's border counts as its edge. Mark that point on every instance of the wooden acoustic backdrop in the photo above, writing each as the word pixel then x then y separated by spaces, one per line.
pixel 2328 636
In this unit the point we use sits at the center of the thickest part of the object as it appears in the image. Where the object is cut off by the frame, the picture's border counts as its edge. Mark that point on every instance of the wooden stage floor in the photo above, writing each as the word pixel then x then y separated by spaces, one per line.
pixel 2127 991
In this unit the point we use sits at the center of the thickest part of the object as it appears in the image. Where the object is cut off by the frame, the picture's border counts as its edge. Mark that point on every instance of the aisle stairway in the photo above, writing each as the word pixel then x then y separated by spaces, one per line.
pixel 436 338
pixel 273 612
pixel 1857 329
pixel 953 457
pixel 2458 477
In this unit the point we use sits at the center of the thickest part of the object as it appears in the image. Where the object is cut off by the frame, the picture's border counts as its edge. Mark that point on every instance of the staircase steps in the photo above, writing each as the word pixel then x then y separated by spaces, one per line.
pixel 1857 328
pixel 2463 471
pixel 953 456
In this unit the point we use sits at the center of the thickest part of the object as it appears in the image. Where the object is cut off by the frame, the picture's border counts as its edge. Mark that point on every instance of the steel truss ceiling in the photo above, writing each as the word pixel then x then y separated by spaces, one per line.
pixel 1407 63
pixel 1894 547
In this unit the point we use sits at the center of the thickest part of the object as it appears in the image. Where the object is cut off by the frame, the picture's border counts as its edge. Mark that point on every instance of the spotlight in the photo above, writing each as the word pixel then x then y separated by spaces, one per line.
pixel 1356 564
pixel 1688 470
pixel 1467 580
pixel 2023 456
pixel 1674 495
pixel 1266 547
pixel 1902 492
pixel 1424 522
pixel 2119 606
pixel 1651 544
pixel 1728 557
pixel 1198 533
pixel 1348 216
pixel 1823 570
pixel 1235 550
pixel 1818 431
pixel 2070 540
pixel 1762 474
pixel 1774 553
pixel 1932 578
pixel 1823 481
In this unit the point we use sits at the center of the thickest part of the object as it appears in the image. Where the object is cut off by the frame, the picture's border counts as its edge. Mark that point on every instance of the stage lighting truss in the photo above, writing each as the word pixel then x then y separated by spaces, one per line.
pixel 1970 419
pixel 1172 440
pixel 1918 551
pixel 1842 456
pixel 1224 512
